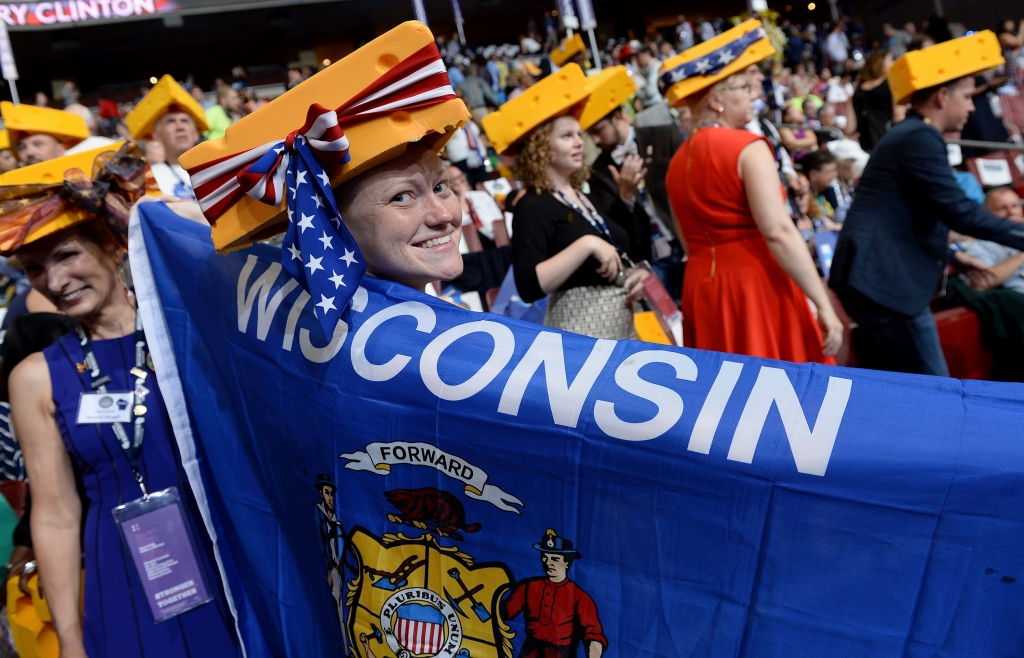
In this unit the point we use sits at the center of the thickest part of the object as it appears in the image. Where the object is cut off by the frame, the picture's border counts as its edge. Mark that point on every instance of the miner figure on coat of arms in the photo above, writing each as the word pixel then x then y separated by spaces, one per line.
pixel 332 539
pixel 559 614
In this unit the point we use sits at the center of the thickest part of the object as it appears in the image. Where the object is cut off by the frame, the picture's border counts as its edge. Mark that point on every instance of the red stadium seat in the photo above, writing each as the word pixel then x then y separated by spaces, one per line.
pixel 501 237
pixel 14 491
pixel 962 344
pixel 846 356
pixel 472 238
pixel 1013 110
pixel 1012 158
pixel 491 295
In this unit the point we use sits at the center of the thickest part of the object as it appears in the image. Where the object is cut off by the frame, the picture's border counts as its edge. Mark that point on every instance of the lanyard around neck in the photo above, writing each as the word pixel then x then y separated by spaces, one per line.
pixel 132 448
pixel 598 222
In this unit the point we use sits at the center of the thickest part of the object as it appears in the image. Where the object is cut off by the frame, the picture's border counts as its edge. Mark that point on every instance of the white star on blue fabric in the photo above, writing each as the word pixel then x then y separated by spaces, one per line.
pixel 725 57
pixel 314 264
pixel 290 213
pixel 326 303
pixel 304 256
pixel 279 150
pixel 702 66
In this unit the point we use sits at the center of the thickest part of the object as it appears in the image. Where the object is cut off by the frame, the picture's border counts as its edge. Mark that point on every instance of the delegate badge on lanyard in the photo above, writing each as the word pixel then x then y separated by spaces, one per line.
pixel 153 528
pixel 96 408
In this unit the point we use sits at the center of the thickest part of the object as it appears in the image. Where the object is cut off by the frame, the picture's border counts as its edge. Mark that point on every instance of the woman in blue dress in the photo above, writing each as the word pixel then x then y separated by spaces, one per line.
pixel 72 257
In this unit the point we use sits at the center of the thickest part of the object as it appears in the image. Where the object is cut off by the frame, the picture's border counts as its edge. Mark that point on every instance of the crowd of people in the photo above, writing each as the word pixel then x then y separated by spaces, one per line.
pixel 651 179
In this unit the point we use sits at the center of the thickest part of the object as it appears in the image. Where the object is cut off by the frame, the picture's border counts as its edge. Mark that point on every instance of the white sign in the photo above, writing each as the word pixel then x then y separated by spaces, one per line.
pixel 993 172
pixel 41 14
pixel 421 13
pixel 587 19
pixel 10 70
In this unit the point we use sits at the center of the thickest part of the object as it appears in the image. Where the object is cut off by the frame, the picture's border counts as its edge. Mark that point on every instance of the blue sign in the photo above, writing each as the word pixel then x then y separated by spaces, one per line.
pixel 429 481
pixel 588 21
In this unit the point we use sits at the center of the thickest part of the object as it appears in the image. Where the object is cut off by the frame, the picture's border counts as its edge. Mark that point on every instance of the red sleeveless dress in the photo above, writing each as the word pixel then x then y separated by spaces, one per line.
pixel 736 297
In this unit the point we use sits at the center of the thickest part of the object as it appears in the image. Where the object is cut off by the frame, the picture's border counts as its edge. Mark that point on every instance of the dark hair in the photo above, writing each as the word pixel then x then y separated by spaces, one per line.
pixel 31 333
pixel 922 96
pixel 816 160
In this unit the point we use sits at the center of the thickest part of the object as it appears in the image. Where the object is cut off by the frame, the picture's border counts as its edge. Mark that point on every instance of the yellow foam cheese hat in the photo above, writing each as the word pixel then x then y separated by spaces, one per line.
pixel 166 95
pixel 943 62
pixel 5 140
pixel 560 93
pixel 373 141
pixel 568 49
pixel 51 172
pixel 712 52
pixel 609 89
pixel 19 120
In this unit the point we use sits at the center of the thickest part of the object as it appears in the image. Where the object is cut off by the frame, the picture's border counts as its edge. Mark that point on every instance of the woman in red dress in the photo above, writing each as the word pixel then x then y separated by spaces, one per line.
pixel 749 274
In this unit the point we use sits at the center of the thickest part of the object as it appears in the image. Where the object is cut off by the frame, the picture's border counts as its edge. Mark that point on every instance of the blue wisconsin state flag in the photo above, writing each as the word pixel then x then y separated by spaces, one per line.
pixel 427 481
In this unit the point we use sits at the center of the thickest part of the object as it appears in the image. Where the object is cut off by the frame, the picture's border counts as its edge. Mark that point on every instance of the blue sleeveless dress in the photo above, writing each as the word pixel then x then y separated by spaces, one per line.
pixel 117 622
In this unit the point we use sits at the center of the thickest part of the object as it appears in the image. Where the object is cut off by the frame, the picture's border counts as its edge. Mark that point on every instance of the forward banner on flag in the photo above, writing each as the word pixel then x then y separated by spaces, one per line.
pixel 428 481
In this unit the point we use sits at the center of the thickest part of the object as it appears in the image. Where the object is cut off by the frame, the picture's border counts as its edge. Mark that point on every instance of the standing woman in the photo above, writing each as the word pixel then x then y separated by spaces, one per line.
pixel 873 104
pixel 750 272
pixel 1011 41
pixel 69 238
pixel 563 243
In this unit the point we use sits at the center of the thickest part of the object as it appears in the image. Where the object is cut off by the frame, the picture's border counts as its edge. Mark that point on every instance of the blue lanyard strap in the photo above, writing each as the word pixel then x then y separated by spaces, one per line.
pixel 132 448
pixel 598 222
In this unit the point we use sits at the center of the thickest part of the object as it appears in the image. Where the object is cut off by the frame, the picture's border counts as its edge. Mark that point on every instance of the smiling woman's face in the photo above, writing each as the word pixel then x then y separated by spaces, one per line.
pixel 73 271
pixel 406 219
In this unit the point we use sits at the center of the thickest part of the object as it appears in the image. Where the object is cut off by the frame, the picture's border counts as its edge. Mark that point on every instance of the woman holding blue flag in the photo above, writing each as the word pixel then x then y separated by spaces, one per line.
pixel 89 408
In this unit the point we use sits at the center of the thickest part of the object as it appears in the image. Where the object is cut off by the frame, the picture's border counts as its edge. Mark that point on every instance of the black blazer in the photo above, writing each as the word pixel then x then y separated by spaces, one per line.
pixel 893 246
pixel 657 145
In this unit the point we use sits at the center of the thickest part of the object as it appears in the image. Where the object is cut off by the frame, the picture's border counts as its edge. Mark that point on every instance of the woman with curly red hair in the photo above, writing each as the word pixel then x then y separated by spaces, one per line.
pixel 564 244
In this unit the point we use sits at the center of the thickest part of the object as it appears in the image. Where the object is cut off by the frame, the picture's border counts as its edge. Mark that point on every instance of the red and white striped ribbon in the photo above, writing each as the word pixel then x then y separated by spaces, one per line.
pixel 418 81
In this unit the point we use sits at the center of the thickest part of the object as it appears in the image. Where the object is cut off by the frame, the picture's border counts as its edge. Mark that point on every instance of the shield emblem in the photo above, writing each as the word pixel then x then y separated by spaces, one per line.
pixel 414 598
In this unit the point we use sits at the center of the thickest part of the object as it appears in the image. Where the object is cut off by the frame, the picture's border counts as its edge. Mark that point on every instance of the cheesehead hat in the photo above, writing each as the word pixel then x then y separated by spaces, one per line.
pixel 275 169
pixel 65 127
pixel 609 89
pixel 389 93
pixel 47 197
pixel 700 67
pixel 943 62
pixel 5 140
pixel 568 49
pixel 166 96
pixel 560 93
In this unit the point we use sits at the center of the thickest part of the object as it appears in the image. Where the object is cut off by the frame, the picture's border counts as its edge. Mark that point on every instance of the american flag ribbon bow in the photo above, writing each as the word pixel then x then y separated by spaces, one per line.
pixel 319 251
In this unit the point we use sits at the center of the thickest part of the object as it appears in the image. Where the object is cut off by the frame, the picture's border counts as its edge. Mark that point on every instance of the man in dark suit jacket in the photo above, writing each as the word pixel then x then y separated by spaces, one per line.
pixel 892 251
pixel 630 155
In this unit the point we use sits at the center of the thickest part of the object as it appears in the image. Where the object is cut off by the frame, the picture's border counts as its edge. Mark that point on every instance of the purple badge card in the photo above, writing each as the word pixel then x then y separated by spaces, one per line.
pixel 155 533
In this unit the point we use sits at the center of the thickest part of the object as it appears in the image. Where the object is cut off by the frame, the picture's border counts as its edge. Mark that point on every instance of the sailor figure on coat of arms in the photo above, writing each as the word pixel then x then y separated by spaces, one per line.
pixel 559 614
